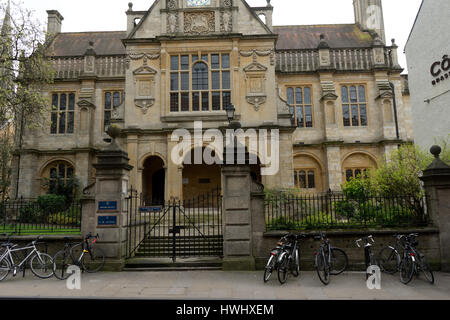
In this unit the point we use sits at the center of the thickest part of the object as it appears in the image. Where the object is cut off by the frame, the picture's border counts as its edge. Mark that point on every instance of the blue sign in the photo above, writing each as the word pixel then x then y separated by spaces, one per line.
pixel 107 205
pixel 152 209
pixel 107 220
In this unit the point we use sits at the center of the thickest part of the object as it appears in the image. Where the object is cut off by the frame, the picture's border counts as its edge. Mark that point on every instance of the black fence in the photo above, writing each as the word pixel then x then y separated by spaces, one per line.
pixel 335 210
pixel 26 216
pixel 175 229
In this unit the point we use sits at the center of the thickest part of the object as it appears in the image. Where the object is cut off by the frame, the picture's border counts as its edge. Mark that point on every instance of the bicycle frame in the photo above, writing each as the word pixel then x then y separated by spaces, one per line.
pixel 13 264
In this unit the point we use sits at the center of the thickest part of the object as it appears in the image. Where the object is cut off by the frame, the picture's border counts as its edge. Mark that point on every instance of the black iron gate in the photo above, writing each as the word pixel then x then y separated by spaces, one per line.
pixel 189 228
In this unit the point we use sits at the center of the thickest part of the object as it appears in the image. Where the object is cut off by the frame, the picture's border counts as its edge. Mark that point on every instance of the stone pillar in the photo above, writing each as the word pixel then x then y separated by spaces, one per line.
pixel 333 153
pixel 436 180
pixel 237 218
pixel 105 213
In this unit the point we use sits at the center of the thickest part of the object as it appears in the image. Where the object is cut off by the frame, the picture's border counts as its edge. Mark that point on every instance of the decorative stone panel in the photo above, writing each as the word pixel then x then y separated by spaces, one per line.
pixel 199 22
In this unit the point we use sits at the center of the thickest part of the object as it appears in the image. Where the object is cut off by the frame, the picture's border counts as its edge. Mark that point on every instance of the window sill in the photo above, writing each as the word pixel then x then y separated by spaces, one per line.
pixel 195 116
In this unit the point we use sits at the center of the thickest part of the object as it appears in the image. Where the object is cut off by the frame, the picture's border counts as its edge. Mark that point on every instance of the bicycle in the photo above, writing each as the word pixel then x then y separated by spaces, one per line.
pixel 329 260
pixel 369 257
pixel 41 264
pixel 413 261
pixel 289 259
pixel 82 254
pixel 273 261
pixel 389 257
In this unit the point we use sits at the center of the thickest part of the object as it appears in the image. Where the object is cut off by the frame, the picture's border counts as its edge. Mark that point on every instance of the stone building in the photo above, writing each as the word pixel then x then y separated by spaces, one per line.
pixel 334 92
pixel 428 57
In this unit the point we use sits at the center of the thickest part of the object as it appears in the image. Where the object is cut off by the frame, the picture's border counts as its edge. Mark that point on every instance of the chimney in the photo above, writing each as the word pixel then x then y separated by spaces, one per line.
pixel 369 16
pixel 54 22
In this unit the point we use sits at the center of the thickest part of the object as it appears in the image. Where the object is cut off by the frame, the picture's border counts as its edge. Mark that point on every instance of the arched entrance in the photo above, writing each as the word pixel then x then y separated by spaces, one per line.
pixel 199 179
pixel 153 181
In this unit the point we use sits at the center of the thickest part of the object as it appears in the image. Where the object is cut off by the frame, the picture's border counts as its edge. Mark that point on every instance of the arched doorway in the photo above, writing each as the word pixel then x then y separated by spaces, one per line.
pixel 200 179
pixel 153 181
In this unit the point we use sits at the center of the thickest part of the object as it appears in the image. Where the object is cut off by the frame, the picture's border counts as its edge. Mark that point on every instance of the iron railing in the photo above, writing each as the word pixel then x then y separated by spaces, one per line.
pixel 336 210
pixel 26 216
pixel 178 228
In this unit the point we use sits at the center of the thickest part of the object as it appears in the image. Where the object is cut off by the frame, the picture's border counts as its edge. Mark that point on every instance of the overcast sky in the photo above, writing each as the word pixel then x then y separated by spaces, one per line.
pixel 109 15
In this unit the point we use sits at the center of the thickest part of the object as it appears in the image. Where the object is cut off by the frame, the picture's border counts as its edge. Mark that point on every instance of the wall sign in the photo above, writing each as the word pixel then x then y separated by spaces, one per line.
pixel 107 221
pixel 440 70
pixel 150 209
pixel 107 205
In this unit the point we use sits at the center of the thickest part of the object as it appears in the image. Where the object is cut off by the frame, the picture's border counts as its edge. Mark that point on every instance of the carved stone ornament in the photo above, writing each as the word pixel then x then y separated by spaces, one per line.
pixel 144 87
pixel 256 84
pixel 259 53
pixel 199 22
pixel 171 4
pixel 85 103
pixel 227 3
pixel 328 90
pixel 144 103
pixel 226 21
pixel 172 22
pixel 138 56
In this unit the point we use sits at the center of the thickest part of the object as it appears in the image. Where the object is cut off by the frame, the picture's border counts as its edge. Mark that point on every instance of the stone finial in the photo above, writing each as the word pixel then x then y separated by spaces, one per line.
pixel 437 162
pixel 130 6
pixel 114 133
pixel 90 50
pixel 268 3
pixel 436 151
pixel 323 44
pixel 393 44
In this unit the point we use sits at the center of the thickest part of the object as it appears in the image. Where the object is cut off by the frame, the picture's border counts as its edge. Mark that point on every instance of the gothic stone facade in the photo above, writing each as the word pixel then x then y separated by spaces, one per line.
pixel 327 88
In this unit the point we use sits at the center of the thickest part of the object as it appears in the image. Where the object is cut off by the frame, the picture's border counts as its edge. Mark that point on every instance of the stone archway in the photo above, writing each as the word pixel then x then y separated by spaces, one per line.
pixel 153 181
pixel 199 179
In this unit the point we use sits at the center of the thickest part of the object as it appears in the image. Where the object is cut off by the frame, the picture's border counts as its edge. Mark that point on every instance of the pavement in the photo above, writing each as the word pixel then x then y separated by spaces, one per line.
pixel 222 285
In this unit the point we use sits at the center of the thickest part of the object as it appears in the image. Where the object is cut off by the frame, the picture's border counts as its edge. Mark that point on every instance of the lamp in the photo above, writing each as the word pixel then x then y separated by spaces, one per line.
pixel 230 112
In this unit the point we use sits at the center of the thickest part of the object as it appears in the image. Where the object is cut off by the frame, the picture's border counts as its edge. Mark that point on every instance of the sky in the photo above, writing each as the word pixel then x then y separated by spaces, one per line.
pixel 109 15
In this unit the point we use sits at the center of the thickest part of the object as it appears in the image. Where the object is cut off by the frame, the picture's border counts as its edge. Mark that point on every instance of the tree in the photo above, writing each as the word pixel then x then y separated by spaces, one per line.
pixel 25 71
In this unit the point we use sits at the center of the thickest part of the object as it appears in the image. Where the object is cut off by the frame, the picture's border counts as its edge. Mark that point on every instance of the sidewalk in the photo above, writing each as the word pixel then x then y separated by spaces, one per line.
pixel 205 285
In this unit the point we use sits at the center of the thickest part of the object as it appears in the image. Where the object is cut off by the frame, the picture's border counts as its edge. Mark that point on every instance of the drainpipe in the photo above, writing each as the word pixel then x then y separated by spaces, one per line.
pixel 395 111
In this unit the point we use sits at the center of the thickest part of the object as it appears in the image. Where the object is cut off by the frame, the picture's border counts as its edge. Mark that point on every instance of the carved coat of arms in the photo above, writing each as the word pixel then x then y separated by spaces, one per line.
pixel 199 22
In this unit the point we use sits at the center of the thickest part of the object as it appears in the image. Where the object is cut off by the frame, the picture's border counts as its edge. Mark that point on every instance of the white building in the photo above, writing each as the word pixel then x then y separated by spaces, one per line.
pixel 428 57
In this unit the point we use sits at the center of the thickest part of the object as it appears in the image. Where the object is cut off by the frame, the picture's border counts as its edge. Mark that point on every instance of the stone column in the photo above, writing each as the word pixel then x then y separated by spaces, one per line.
pixel 105 213
pixel 237 218
pixel 436 180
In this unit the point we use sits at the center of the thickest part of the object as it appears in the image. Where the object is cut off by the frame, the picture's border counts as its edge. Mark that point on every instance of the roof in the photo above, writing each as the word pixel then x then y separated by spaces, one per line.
pixel 76 43
pixel 289 38
pixel 308 36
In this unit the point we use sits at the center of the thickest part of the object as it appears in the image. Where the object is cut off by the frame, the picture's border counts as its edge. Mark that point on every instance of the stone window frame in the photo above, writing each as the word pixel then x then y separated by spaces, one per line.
pixel 56 166
pixel 181 99
pixel 297 184
pixel 111 106
pixel 358 104
pixel 295 106
pixel 363 172
pixel 56 113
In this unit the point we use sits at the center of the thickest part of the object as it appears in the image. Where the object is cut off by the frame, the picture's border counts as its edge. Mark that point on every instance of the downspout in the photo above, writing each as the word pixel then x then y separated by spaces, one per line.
pixel 395 111
pixel 20 154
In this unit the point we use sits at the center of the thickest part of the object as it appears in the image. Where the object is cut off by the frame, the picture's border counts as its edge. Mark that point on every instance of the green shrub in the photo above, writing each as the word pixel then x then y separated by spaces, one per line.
pixel 29 214
pixel 62 218
pixel 51 203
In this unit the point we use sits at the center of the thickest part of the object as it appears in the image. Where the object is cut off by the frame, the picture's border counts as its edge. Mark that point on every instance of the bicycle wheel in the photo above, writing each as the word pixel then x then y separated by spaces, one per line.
pixel 322 269
pixel 283 268
pixel 389 260
pixel 61 261
pixel 426 269
pixel 42 265
pixel 406 269
pixel 270 266
pixel 5 267
pixel 295 264
pixel 93 260
pixel 339 261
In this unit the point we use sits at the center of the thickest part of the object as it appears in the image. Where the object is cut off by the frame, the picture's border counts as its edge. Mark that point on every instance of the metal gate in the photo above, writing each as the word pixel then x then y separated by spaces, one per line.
pixel 189 228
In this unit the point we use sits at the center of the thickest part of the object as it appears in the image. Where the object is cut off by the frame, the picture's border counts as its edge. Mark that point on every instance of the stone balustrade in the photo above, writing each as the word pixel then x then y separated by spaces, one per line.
pixel 359 59
pixel 67 68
